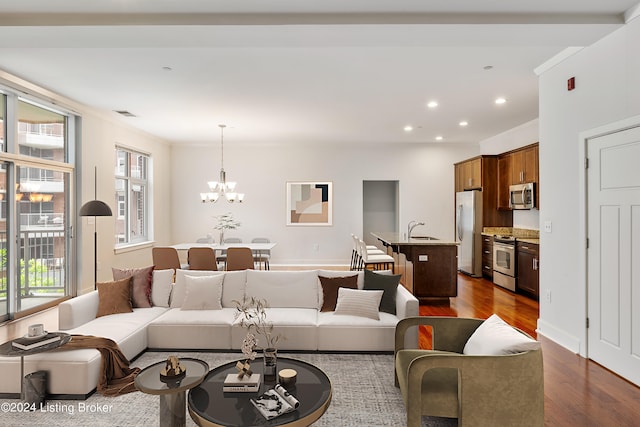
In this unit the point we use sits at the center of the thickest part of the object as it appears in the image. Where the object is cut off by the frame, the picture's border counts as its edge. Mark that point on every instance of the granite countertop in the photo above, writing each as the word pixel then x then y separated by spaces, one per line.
pixel 396 239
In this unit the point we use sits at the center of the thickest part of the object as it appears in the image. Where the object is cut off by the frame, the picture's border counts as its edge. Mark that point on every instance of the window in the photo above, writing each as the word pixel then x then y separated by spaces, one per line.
pixel 132 190
pixel 34 197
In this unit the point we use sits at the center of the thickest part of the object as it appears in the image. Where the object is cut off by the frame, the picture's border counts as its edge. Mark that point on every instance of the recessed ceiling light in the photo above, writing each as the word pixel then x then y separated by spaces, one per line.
pixel 500 100
pixel 167 68
pixel 432 104
pixel 488 67
pixel 408 128
pixel 463 123
pixel 439 138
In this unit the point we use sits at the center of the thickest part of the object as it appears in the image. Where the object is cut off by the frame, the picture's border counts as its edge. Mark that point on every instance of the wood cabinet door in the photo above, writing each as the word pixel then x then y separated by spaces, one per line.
pixel 527 268
pixel 435 271
pixel 530 167
pixel 504 180
pixel 474 170
pixel 517 167
pixel 459 177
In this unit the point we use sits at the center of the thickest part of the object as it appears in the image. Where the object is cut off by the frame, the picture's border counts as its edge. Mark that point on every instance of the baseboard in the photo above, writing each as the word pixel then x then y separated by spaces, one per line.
pixel 559 336
pixel 52 396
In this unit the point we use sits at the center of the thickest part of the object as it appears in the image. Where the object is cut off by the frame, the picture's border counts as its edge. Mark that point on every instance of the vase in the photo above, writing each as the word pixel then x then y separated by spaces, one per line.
pixel 270 364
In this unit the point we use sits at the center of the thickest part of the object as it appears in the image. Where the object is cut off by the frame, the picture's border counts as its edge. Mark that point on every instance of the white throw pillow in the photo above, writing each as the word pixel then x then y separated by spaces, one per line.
pixel 203 293
pixel 496 337
pixel 161 287
pixel 354 302
pixel 179 288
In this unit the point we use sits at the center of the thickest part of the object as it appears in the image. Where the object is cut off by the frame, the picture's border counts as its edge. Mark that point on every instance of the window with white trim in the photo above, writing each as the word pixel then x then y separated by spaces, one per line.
pixel 132 197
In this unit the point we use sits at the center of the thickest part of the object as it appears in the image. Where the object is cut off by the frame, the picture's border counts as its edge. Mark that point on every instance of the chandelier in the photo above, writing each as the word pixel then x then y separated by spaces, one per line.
pixel 223 187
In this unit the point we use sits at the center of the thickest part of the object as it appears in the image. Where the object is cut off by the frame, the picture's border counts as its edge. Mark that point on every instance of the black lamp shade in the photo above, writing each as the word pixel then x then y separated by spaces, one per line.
pixel 95 208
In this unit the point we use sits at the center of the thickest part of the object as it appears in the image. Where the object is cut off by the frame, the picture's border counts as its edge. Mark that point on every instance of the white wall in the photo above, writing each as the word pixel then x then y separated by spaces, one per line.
pixel 425 173
pixel 607 90
pixel 100 135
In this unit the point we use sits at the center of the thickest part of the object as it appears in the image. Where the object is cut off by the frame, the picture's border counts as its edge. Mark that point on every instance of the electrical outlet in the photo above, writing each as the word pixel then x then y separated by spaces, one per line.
pixel 316 247
pixel 547 226
pixel 547 295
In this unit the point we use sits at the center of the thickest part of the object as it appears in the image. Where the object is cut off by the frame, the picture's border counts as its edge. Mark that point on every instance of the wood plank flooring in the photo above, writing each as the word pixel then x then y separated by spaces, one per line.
pixel 578 392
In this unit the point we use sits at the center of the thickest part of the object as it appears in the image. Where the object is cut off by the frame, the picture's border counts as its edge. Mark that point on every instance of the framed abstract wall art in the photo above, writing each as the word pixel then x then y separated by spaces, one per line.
pixel 310 203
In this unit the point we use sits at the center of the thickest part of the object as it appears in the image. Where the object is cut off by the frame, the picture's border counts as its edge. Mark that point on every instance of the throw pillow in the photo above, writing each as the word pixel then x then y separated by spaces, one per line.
pixel 496 337
pixel 161 287
pixel 140 284
pixel 354 302
pixel 330 286
pixel 179 289
pixel 203 293
pixel 114 297
pixel 384 282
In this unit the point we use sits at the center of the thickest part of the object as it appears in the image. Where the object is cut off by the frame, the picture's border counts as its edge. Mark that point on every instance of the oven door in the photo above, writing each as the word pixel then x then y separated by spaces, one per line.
pixel 503 259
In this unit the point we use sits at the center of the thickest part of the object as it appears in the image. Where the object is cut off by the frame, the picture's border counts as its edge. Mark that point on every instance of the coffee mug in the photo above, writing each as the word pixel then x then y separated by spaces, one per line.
pixel 36 330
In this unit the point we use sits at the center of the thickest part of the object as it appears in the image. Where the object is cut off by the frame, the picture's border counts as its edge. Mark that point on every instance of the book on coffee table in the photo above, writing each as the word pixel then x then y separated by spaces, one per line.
pixel 246 383
pixel 275 402
pixel 26 343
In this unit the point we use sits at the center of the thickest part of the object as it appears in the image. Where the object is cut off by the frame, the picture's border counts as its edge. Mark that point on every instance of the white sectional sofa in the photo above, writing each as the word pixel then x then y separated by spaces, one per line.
pixel 294 298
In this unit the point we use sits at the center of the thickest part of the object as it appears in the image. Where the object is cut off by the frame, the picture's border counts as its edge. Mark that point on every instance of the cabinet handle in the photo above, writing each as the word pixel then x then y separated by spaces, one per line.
pixel 525 247
pixel 487 267
pixel 535 264
pixel 487 252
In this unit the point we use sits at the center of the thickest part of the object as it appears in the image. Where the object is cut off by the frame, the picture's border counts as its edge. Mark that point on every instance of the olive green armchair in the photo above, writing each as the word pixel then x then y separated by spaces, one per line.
pixel 478 390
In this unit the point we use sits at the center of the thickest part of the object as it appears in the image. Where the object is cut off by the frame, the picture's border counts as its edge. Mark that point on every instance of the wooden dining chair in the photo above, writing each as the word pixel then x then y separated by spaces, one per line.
pixel 202 259
pixel 261 256
pixel 221 257
pixel 165 258
pixel 239 259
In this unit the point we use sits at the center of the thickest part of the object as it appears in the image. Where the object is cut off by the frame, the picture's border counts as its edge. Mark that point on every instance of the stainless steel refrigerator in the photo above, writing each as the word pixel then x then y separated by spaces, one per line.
pixel 469 231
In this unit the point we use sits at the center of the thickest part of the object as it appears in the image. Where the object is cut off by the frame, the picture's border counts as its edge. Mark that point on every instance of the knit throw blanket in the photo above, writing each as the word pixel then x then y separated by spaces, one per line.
pixel 116 377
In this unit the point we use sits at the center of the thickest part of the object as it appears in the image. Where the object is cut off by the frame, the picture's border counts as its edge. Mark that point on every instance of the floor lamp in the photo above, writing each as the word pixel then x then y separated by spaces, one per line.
pixel 95 208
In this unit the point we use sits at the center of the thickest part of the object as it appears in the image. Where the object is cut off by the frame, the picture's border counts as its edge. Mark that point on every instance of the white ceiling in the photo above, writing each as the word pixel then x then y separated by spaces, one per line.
pixel 293 71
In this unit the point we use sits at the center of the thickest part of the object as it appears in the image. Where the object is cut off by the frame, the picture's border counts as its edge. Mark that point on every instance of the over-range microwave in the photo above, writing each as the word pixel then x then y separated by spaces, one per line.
pixel 522 196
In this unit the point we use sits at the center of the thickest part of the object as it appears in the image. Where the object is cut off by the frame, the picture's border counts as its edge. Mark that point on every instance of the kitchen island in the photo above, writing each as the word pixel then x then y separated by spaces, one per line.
pixel 429 266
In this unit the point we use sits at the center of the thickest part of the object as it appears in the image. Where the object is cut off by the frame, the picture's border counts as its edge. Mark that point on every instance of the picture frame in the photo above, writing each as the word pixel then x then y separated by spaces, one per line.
pixel 309 203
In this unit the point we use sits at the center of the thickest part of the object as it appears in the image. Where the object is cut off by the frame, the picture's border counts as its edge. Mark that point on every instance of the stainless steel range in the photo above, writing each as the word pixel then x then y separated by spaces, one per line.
pixel 504 262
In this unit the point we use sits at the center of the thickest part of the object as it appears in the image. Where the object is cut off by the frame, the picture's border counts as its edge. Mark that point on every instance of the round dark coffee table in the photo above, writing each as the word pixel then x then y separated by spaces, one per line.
pixel 210 406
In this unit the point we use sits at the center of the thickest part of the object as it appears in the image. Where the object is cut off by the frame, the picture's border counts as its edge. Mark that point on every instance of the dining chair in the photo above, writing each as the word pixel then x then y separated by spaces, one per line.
pixel 222 256
pixel 261 256
pixel 165 258
pixel 202 259
pixel 239 259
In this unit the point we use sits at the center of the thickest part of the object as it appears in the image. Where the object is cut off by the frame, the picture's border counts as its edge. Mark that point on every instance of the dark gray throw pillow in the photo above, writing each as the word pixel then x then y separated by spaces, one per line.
pixel 386 282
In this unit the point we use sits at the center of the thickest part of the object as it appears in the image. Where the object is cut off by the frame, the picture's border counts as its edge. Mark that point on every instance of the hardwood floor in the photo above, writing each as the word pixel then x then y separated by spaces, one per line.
pixel 578 392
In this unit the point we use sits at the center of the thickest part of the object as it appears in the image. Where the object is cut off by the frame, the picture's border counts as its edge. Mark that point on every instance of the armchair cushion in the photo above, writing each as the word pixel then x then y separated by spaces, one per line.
pixel 495 337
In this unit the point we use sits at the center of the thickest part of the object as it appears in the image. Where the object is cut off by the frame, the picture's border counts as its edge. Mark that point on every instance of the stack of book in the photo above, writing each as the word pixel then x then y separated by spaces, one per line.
pixel 275 402
pixel 29 343
pixel 246 383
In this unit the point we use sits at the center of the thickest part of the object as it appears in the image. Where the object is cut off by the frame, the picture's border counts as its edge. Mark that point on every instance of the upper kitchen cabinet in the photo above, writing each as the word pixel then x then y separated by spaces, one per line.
pixel 517 167
pixel 524 165
pixel 481 173
pixel 469 174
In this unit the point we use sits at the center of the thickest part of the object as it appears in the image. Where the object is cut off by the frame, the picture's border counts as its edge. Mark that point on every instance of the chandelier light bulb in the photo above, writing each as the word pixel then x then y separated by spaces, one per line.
pixel 222 187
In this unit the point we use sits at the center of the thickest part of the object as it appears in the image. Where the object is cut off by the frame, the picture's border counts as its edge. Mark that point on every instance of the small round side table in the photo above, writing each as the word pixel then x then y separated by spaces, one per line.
pixel 173 406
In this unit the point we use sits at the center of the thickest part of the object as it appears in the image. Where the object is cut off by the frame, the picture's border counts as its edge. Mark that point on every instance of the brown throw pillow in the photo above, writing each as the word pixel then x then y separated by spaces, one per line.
pixel 141 280
pixel 330 286
pixel 115 297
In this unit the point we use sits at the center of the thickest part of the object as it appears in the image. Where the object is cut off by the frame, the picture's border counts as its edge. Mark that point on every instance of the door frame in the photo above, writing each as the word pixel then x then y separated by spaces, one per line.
pixel 584 138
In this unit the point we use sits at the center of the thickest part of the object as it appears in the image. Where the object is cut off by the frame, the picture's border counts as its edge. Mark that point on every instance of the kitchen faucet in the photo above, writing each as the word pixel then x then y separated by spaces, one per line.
pixel 411 226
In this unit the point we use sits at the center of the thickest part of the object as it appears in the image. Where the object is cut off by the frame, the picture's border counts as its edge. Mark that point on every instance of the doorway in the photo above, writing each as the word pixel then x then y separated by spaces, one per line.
pixel 613 257
pixel 379 209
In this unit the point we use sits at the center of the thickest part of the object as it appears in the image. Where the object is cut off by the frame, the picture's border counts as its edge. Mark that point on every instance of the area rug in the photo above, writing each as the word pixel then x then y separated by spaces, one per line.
pixel 363 395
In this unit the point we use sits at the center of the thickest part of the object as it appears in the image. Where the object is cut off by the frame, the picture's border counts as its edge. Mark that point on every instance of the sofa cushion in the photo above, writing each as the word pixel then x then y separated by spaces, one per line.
pixel 114 297
pixel 141 279
pixel 354 302
pixel 203 293
pixel 284 289
pixel 330 287
pixel 161 287
pixel 233 287
pixel 387 283
pixel 496 337
pixel 179 288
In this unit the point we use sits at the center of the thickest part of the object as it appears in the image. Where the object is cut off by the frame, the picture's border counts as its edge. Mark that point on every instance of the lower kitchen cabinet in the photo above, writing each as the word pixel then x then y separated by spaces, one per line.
pixel 487 257
pixel 528 274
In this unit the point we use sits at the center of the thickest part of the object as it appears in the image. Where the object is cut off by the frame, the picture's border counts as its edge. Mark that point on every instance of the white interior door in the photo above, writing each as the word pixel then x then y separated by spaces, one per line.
pixel 613 221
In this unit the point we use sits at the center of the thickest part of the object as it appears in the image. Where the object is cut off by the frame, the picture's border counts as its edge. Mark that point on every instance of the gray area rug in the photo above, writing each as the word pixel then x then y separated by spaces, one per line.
pixel 363 395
